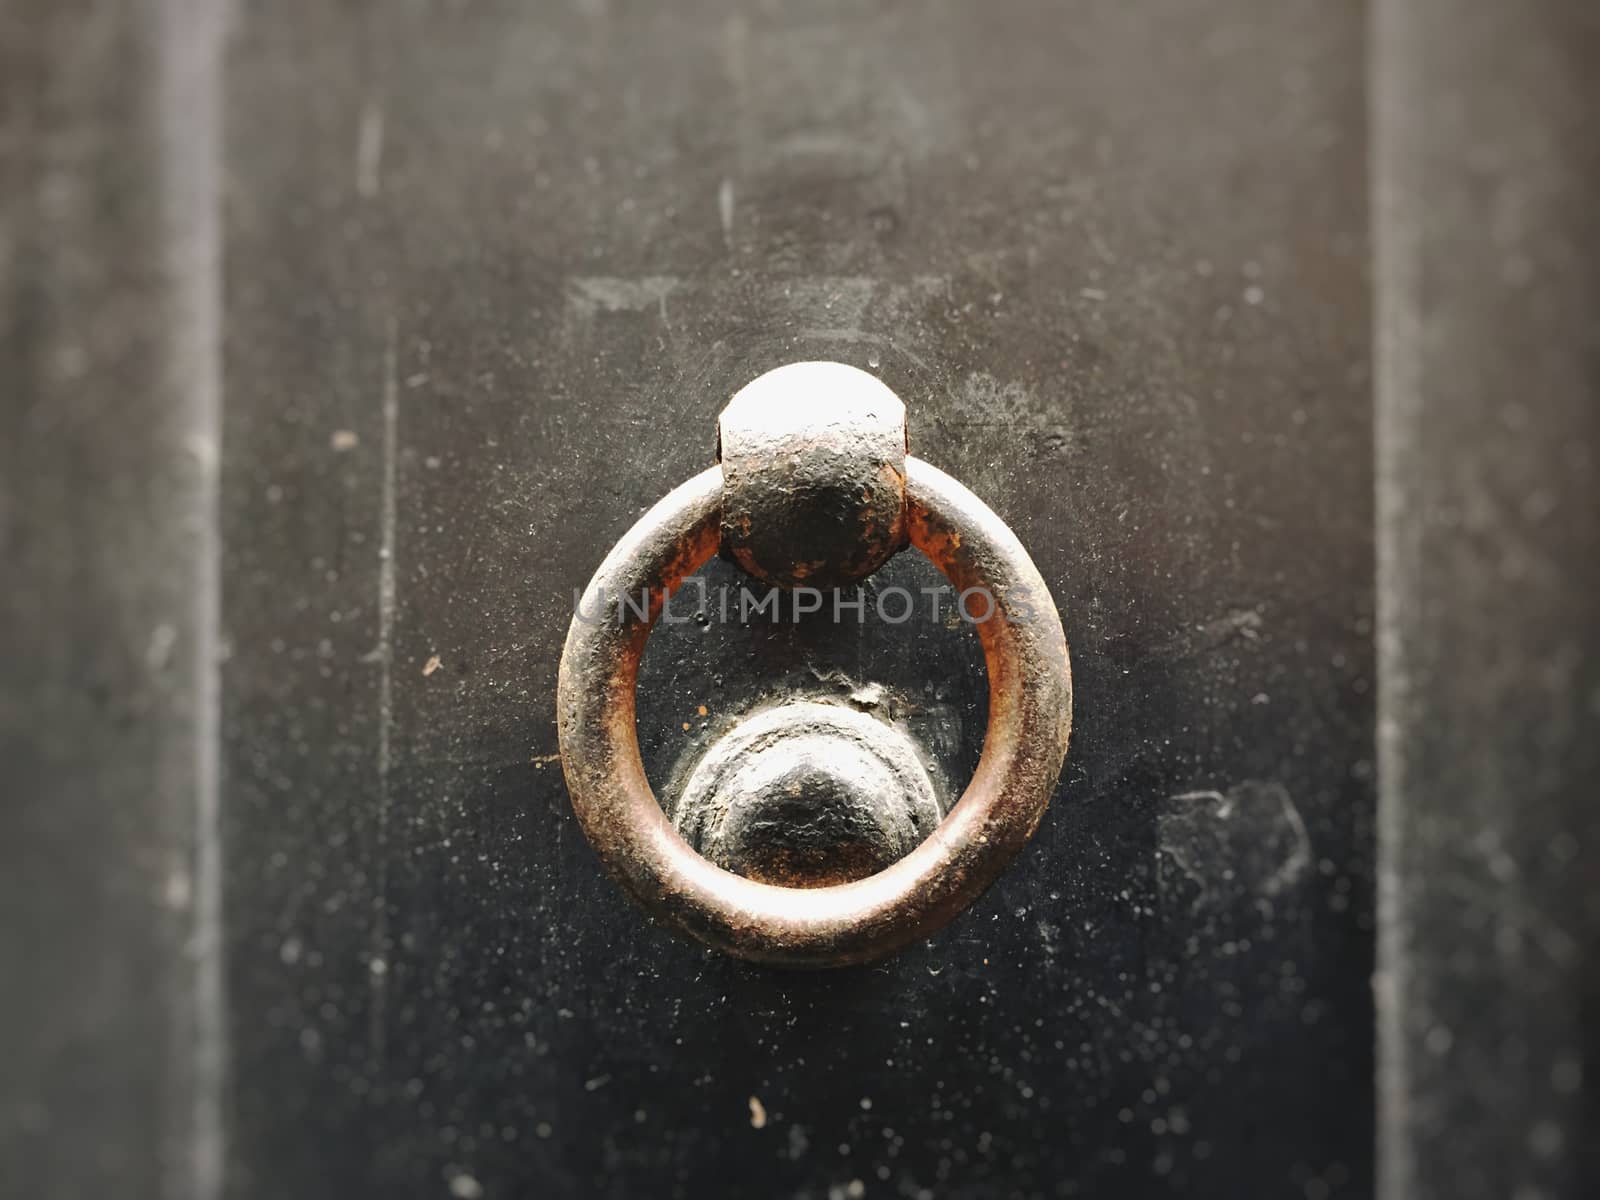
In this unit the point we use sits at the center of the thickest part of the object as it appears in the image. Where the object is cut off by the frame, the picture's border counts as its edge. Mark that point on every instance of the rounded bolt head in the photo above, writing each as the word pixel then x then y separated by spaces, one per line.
pixel 808 794
pixel 814 475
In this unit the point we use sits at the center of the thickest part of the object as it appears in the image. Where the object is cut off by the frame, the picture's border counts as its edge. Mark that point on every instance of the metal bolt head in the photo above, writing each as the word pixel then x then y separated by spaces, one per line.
pixel 808 794
pixel 814 475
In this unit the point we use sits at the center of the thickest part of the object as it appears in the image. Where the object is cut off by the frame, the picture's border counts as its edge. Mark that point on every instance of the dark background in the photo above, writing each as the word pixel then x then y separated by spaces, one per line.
pixel 349 337
pixel 1114 267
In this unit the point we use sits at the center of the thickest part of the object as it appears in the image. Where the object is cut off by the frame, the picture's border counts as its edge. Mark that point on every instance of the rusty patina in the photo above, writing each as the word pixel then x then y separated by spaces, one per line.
pixel 813 461
pixel 1030 705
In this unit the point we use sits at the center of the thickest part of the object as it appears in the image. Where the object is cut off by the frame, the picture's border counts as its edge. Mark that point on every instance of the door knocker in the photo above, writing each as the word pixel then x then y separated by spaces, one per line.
pixel 814 487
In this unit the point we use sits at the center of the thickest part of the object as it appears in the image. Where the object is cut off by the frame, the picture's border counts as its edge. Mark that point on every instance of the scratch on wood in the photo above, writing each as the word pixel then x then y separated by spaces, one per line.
pixel 378 973
pixel 1248 841
pixel 189 51
pixel 591 294
pixel 1240 623
pixel 369 150
pixel 725 210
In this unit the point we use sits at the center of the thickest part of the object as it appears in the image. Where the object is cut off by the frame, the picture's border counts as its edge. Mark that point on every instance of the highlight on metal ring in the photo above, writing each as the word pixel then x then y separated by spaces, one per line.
pixel 1030 703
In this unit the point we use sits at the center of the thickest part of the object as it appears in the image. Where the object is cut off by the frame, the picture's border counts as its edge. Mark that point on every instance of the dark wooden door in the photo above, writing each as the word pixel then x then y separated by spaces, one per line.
pixel 492 271
pixel 373 326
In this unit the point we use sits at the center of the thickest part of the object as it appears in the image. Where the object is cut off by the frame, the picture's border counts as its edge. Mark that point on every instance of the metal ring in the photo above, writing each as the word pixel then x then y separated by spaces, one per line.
pixel 1030 714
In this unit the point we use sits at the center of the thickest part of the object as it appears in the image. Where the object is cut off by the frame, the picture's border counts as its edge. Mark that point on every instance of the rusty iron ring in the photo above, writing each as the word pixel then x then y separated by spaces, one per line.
pixel 1030 714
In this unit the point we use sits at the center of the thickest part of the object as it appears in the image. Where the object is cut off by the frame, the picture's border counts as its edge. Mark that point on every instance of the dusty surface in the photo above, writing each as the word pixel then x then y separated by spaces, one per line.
pixel 489 272
pixel 1114 263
